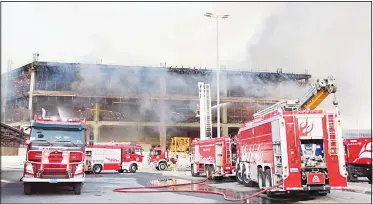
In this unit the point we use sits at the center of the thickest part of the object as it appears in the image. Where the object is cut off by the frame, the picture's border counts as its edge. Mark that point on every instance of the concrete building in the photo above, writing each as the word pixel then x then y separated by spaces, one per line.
pixel 146 105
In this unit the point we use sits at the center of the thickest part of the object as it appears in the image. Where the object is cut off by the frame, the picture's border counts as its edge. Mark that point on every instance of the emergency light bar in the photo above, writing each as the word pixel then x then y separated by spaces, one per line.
pixel 57 119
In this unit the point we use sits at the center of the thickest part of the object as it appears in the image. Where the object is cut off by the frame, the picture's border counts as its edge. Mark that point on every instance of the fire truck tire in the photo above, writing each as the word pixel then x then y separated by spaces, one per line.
pixel 27 188
pixel 162 166
pixel 246 181
pixel 97 168
pixel 261 182
pixel 120 171
pixel 77 188
pixel 157 168
pixel 133 168
pixel 267 178
pixel 239 176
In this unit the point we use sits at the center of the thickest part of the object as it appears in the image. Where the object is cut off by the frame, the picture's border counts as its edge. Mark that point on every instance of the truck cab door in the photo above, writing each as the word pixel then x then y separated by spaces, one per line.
pixel 136 154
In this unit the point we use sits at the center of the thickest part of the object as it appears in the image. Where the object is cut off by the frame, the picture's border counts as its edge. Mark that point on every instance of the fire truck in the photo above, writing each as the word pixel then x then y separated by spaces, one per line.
pixel 117 157
pixel 216 156
pixel 294 144
pixel 358 156
pixel 55 153
pixel 178 154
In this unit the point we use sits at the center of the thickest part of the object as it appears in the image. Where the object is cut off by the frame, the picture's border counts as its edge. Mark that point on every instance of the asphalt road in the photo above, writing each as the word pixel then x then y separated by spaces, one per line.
pixel 98 189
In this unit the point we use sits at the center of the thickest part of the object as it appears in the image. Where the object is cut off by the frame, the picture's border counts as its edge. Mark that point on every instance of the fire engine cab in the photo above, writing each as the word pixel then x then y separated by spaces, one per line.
pixel 55 153
pixel 117 157
pixel 293 144
pixel 216 156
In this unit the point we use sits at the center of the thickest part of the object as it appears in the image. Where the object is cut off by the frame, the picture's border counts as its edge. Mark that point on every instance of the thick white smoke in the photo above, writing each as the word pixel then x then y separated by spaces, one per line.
pixel 327 39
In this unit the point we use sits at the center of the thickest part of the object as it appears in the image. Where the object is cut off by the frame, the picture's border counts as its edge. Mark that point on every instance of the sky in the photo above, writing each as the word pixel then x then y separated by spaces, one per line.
pixel 324 38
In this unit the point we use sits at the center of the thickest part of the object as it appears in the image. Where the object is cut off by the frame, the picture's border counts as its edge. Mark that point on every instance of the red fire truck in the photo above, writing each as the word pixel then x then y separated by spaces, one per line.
pixel 216 156
pixel 160 158
pixel 358 155
pixel 292 143
pixel 117 157
pixel 55 153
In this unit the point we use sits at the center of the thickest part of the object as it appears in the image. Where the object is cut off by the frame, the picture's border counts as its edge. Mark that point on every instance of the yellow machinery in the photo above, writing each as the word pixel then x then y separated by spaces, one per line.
pixel 310 101
pixel 179 147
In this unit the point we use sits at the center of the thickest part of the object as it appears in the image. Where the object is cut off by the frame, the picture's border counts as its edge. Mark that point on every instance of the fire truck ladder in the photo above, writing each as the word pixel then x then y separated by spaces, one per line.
pixel 311 100
pixel 332 137
pixel 277 161
pixel 205 110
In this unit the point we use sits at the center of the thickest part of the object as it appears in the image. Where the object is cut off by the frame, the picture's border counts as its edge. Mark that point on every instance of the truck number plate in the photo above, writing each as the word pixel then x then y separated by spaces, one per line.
pixel 53 181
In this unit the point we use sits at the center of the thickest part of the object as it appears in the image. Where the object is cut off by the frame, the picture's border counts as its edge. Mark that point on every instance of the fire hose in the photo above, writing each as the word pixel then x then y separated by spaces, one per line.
pixel 138 190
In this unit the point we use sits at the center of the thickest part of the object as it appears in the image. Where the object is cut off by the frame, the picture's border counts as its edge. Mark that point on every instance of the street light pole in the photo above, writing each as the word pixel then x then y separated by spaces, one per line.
pixel 211 15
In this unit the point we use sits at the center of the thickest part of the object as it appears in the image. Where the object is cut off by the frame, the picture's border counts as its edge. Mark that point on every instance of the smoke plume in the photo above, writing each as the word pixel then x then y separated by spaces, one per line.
pixel 326 39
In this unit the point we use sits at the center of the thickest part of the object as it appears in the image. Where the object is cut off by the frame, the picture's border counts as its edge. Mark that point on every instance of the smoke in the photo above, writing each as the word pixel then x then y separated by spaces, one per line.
pixel 326 39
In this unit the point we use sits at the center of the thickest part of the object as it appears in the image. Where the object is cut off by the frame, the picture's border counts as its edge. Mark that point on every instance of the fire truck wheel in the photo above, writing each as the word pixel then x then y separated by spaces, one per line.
pixel 268 179
pixel 133 168
pixel 239 176
pixel 97 168
pixel 246 181
pixel 162 166
pixel 77 188
pixel 260 178
pixel 157 168
pixel 121 171
pixel 27 188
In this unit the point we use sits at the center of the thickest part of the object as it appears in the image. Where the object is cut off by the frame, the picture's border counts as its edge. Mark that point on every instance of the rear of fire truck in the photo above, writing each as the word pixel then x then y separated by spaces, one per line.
pixel 55 153
pixel 299 147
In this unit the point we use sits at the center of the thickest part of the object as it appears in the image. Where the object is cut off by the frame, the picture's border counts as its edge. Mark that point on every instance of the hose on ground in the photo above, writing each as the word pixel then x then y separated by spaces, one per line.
pixel 138 190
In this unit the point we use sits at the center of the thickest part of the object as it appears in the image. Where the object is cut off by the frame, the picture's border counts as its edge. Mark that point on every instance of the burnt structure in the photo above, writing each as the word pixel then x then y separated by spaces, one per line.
pixel 147 105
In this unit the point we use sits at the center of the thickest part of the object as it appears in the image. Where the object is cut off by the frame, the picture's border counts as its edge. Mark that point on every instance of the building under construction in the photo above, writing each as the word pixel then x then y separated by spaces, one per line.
pixel 146 105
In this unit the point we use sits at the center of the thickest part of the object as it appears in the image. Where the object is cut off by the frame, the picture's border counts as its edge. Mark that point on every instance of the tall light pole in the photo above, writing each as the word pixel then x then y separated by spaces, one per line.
pixel 211 15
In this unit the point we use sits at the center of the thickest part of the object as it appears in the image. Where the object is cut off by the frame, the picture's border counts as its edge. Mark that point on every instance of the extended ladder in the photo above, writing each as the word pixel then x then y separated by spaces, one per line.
pixel 332 137
pixel 313 97
pixel 205 110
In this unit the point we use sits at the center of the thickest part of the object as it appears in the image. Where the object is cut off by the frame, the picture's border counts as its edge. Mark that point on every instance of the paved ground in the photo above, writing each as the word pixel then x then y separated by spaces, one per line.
pixel 98 189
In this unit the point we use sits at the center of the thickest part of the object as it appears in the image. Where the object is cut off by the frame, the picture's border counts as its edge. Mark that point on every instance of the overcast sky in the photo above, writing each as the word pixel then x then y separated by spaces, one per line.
pixel 325 38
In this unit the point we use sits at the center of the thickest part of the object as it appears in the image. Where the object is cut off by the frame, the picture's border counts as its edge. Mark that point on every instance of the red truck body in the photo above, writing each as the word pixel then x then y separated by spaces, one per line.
pixel 117 157
pixel 288 147
pixel 160 158
pixel 55 153
pixel 358 156
pixel 216 156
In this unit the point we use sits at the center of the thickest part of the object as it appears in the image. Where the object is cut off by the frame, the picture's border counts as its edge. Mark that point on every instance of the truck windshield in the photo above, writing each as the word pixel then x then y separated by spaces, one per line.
pixel 55 136
pixel 156 152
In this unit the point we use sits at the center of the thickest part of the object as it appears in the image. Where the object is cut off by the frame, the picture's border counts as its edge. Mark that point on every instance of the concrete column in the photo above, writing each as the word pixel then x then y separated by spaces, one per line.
pixel 96 113
pixel 96 119
pixel 96 131
pixel 225 131
pixel 32 88
pixel 161 103
pixel 224 115
pixel 162 136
